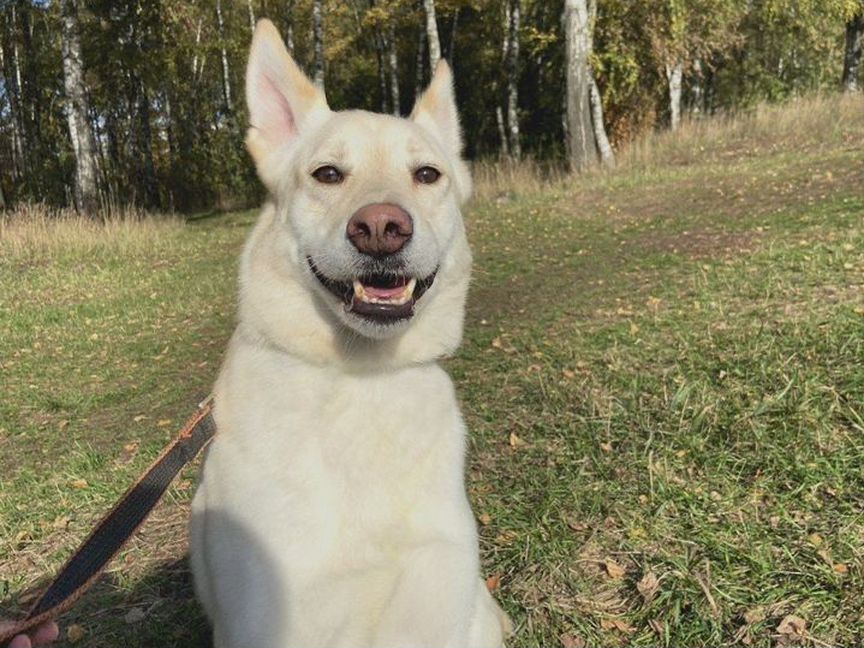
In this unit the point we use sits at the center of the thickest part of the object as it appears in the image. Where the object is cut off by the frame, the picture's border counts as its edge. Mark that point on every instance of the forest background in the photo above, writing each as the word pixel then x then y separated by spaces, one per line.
pixel 106 103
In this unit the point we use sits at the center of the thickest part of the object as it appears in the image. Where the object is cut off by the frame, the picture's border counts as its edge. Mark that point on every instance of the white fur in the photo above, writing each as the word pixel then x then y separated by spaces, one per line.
pixel 332 509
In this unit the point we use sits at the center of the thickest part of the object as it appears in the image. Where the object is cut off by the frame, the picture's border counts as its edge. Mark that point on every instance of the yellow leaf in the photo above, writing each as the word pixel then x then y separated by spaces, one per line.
pixel 841 568
pixel 634 328
pixel 485 519
pixel 75 633
pixel 164 422
pixel 79 483
pixel 515 441
pixel 613 568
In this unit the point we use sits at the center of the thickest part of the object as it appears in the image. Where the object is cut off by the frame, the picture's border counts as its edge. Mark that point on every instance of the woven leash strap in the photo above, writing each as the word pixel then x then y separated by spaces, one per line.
pixel 112 532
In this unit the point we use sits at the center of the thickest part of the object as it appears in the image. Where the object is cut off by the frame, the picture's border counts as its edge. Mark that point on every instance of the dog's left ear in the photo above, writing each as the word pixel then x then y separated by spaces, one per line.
pixel 283 102
pixel 436 110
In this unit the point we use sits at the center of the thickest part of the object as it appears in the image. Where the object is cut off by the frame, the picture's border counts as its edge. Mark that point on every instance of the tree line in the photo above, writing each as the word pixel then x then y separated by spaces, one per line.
pixel 112 102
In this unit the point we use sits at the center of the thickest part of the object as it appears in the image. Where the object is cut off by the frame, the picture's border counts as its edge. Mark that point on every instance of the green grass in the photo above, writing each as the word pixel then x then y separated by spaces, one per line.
pixel 662 374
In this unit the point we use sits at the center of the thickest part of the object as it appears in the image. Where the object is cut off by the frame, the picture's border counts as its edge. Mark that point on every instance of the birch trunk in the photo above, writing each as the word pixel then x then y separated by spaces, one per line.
pixel 854 47
pixel 581 145
pixel 17 125
pixel 418 70
pixel 77 111
pixel 675 74
pixel 432 34
pixel 607 156
pixel 393 64
pixel 318 38
pixel 289 29
pixel 226 71
pixel 513 78
pixel 502 131
pixel 251 15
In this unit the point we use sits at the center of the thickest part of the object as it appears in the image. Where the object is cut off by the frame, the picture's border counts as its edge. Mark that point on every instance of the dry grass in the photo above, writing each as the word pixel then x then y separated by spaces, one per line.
pixel 36 231
pixel 815 122
pixel 803 124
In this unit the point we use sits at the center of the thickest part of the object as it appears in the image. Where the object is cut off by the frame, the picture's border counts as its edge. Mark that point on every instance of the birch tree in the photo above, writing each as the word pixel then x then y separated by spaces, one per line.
pixel 854 46
pixel 226 70
pixel 432 34
pixel 581 144
pixel 78 111
pixel 318 43
pixel 512 63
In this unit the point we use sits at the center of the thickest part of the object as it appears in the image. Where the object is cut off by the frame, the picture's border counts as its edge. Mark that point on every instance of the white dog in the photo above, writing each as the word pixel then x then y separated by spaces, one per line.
pixel 332 509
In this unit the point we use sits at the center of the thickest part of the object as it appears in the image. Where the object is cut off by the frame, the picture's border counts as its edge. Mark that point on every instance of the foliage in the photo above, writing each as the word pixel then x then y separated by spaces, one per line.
pixel 166 138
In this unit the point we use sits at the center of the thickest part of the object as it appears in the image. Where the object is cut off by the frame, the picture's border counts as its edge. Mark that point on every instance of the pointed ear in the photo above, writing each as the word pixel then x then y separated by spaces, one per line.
pixel 436 110
pixel 281 99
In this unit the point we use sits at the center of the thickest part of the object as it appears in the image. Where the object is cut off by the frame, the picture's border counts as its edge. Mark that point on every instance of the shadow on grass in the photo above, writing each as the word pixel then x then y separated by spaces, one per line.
pixel 160 609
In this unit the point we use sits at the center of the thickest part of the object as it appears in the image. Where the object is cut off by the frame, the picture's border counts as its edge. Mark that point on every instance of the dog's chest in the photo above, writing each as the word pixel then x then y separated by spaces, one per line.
pixel 344 468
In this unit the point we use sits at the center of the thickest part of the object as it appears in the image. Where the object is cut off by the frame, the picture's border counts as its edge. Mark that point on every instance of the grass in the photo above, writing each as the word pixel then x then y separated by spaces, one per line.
pixel 662 374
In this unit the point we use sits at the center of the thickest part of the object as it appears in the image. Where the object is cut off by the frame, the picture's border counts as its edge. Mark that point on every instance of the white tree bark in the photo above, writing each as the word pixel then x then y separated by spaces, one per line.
pixel 502 131
pixel 581 145
pixel 432 34
pixel 251 15
pixel 675 75
pixel 289 30
pixel 77 111
pixel 393 64
pixel 607 155
pixel 318 38
pixel 226 71
pixel 513 25
pixel 854 47
pixel 418 72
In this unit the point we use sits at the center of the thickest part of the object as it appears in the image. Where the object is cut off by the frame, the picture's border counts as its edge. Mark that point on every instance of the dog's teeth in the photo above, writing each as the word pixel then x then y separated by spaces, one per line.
pixel 359 291
pixel 404 297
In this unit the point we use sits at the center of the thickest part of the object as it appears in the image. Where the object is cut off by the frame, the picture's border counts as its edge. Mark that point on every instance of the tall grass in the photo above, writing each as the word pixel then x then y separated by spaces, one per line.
pixel 37 231
pixel 806 123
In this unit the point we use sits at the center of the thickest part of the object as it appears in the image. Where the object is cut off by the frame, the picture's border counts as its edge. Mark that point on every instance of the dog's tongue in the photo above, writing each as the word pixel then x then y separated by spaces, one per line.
pixel 384 293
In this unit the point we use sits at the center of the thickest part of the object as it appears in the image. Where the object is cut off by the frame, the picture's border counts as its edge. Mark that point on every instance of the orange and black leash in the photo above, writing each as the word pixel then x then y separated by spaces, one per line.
pixel 112 532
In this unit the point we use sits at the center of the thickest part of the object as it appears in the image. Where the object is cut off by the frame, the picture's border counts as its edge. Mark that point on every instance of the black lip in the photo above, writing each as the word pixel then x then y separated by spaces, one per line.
pixel 378 313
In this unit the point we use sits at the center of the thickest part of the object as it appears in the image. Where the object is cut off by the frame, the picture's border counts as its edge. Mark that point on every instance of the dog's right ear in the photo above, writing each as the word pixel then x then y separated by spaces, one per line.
pixel 282 100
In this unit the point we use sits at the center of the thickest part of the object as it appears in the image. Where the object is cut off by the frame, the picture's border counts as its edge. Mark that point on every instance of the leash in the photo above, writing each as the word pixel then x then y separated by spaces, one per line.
pixel 113 530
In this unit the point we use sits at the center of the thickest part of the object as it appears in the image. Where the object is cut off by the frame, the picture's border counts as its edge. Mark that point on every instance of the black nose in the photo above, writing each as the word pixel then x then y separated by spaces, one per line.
pixel 380 229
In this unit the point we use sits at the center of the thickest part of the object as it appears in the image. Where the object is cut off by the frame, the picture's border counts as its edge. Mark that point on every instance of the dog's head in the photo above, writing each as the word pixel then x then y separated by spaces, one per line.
pixel 364 245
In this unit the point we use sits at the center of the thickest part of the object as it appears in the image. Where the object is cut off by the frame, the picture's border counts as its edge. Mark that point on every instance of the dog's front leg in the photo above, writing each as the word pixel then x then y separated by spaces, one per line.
pixel 434 600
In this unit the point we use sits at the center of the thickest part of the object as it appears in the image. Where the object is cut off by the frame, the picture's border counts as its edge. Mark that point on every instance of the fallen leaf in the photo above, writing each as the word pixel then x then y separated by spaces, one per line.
pixel 815 539
pixel 135 615
pixel 792 625
pixel 572 641
pixel 515 441
pixel 634 329
pixel 841 568
pixel 75 633
pixel 606 447
pixel 139 418
pixel 493 582
pixel 648 585
pixel 613 568
pixel 79 483
pixel 568 373
pixel 163 422
pixel 756 615
pixel 485 519
pixel 617 624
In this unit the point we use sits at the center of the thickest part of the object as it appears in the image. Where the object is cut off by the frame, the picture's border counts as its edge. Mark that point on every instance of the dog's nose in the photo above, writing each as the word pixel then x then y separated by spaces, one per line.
pixel 380 229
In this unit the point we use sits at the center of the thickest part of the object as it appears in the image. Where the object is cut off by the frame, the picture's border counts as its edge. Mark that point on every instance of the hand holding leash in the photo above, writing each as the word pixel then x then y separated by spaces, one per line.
pixel 45 634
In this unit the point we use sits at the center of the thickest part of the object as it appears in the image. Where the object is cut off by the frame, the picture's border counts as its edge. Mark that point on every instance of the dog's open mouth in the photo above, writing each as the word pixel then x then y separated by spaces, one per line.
pixel 383 298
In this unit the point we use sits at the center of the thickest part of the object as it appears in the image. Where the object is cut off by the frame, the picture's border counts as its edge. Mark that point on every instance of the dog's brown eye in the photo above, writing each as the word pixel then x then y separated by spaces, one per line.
pixel 328 175
pixel 427 175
